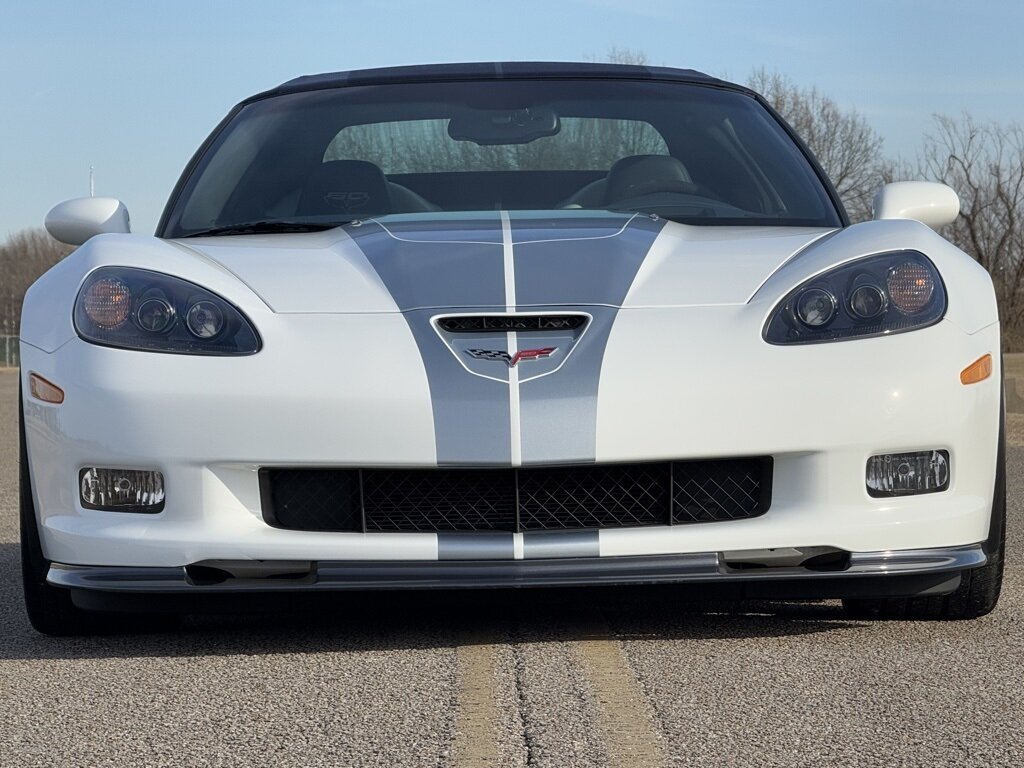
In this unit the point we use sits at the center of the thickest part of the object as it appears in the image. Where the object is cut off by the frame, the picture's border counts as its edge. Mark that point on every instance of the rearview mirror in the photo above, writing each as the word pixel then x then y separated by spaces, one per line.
pixel 75 221
pixel 933 204
pixel 504 126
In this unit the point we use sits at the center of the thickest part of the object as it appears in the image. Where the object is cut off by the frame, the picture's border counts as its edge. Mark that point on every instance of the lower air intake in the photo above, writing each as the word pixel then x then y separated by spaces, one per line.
pixel 529 499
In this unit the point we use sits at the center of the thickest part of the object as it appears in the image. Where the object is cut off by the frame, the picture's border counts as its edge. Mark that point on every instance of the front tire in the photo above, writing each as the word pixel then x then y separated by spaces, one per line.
pixel 49 608
pixel 979 588
pixel 976 596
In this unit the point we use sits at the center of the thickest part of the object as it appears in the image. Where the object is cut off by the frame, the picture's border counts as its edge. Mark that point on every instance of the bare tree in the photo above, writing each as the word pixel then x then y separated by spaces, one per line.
pixel 984 163
pixel 23 258
pixel 847 147
pixel 618 55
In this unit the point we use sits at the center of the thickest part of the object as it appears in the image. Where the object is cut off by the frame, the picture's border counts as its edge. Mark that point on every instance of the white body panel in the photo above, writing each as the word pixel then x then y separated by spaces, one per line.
pixel 341 382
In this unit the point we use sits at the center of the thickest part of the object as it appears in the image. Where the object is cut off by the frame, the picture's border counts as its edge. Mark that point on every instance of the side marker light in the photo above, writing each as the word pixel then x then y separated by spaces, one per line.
pixel 44 390
pixel 977 371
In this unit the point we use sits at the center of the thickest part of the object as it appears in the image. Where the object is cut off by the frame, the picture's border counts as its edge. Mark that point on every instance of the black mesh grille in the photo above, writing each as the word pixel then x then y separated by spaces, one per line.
pixel 439 500
pixel 313 499
pixel 602 496
pixel 709 491
pixel 547 498
pixel 498 323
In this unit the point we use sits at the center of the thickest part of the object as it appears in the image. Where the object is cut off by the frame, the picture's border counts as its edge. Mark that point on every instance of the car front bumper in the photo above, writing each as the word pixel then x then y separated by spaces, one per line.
pixel 210 424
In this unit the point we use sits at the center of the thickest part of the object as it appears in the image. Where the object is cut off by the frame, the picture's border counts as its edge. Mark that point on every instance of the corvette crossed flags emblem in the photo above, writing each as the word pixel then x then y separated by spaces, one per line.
pixel 512 360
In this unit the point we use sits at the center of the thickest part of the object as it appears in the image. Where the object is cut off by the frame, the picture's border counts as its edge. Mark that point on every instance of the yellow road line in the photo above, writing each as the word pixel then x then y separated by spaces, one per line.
pixel 476 717
pixel 627 720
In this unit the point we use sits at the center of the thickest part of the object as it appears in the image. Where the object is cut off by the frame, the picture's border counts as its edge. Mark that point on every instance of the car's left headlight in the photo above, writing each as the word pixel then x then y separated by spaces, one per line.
pixel 153 312
pixel 874 296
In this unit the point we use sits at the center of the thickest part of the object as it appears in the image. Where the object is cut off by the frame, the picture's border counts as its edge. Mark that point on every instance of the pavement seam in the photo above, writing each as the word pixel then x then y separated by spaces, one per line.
pixel 519 664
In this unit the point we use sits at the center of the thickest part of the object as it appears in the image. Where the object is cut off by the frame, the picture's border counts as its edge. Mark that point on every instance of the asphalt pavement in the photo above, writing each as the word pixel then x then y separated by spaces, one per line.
pixel 589 677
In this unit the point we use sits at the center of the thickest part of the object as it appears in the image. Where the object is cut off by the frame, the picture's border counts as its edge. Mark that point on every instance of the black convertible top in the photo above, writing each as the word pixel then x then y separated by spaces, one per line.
pixel 495 71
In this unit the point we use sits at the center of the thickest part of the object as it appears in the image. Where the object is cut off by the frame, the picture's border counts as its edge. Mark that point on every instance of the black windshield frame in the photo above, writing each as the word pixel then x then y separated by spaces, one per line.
pixel 835 217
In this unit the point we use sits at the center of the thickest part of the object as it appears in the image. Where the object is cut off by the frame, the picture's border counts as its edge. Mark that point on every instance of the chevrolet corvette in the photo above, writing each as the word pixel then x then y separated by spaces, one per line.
pixel 510 325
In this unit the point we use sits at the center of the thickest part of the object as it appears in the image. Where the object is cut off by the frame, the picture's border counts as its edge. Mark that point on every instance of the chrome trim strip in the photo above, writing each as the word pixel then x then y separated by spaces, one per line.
pixel 390 574
pixel 917 560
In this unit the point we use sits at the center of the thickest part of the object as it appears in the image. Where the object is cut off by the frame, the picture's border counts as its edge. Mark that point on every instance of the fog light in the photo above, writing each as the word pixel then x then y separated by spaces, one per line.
pixel 122 490
pixel 904 474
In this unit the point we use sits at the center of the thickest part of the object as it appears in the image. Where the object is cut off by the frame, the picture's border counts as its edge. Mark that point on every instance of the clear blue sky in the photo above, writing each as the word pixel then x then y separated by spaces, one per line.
pixel 133 86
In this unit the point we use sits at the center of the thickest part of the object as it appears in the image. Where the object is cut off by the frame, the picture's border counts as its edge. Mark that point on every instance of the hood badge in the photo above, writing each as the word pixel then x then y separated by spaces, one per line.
pixel 512 361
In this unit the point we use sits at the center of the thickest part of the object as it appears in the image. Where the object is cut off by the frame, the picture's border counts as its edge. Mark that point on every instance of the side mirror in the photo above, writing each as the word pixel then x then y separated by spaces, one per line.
pixel 933 204
pixel 75 221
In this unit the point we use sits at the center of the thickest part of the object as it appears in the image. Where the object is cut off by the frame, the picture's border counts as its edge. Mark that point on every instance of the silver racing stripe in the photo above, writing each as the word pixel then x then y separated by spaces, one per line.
pixel 472 421
pixel 448 263
pixel 509 262
pixel 512 340
pixel 558 413
pixel 501 545
pixel 475 546
pixel 573 263
pixel 579 260
pixel 539 545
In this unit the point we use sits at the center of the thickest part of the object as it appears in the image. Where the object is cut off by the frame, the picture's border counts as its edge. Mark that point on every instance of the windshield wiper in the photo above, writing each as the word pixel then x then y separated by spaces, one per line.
pixel 266 227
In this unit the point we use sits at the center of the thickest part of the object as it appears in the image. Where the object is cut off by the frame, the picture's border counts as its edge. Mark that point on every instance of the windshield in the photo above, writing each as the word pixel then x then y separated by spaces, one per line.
pixel 690 153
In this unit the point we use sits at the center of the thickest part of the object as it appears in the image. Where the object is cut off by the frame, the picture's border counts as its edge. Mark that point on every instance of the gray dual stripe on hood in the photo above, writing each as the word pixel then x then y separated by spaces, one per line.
pixel 590 266
pixel 581 261
pixel 446 263
pixel 472 419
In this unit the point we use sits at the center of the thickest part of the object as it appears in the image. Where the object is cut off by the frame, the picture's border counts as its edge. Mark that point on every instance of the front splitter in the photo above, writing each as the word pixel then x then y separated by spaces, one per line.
pixel 325 575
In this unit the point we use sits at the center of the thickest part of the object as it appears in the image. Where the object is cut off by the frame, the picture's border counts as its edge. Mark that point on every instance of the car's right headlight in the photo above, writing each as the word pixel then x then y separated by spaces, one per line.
pixel 874 296
pixel 153 312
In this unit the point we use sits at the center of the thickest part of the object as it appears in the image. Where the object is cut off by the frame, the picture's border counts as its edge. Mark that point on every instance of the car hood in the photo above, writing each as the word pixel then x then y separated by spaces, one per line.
pixel 505 260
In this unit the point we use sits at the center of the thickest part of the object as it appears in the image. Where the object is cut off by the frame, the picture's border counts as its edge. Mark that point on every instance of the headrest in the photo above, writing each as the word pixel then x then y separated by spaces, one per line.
pixel 636 170
pixel 346 187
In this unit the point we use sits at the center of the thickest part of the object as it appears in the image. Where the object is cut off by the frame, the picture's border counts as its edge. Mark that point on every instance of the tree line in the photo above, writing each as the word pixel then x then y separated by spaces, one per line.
pixel 23 258
pixel 983 162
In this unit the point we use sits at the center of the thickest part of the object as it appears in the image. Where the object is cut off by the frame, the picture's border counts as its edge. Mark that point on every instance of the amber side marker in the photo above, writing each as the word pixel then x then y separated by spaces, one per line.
pixel 977 371
pixel 44 390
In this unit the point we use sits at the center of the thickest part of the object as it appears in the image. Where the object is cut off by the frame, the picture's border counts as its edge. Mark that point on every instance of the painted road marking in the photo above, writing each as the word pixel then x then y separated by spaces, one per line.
pixel 476 736
pixel 627 720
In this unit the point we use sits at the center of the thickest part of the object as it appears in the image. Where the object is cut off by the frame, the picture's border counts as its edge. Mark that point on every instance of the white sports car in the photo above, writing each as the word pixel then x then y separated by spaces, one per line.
pixel 495 325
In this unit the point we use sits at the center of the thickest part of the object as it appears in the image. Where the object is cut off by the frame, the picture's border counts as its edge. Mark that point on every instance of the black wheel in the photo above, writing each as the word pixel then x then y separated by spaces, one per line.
pixel 977 595
pixel 50 609
pixel 979 588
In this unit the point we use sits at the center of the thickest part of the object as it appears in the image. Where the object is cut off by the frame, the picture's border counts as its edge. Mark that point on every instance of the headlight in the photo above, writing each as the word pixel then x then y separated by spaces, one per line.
pixel 150 311
pixel 873 296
